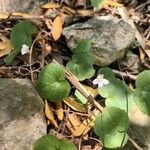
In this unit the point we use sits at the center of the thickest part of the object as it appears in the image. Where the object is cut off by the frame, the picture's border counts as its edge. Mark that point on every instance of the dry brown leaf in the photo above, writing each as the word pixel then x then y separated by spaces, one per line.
pixel 50 115
pixel 142 54
pixel 72 103
pixel 81 129
pixel 56 28
pixel 89 122
pixel 47 50
pixel 93 92
pixel 131 86
pixel 112 3
pixel 68 10
pixel 5 46
pixel 72 124
pixel 125 16
pixel 50 5
pixel 80 3
pixel 23 15
pixel 59 110
pixel 4 15
pixel 49 23
pixel 148 43
pixel 85 12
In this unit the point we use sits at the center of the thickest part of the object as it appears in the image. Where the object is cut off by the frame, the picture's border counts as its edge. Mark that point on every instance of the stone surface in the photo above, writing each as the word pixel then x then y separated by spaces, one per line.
pixel 20 5
pixel 139 128
pixel 110 37
pixel 21 115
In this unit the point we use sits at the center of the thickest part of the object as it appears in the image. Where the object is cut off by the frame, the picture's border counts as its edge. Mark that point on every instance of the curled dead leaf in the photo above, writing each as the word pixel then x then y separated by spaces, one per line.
pixel 50 5
pixel 85 12
pixel 59 110
pixel 4 15
pixel 23 15
pixel 50 115
pixel 142 54
pixel 5 45
pixel 72 103
pixel 78 128
pixel 56 28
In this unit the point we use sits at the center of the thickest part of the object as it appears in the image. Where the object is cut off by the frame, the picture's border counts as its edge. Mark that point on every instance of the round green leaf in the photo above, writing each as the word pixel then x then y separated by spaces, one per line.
pixel 111 127
pixel 47 142
pixel 117 94
pixel 52 84
pixel 142 79
pixel 142 92
pixel 50 142
pixel 82 47
pixel 66 145
pixel 107 72
pixel 80 97
pixel 21 34
pixel 142 98
pixel 81 66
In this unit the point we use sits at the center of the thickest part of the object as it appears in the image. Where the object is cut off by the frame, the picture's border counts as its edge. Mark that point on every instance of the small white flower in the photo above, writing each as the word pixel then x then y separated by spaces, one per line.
pixel 24 49
pixel 100 80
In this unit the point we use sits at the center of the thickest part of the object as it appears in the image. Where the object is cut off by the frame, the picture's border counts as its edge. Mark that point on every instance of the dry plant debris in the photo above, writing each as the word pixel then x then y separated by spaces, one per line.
pixel 71 118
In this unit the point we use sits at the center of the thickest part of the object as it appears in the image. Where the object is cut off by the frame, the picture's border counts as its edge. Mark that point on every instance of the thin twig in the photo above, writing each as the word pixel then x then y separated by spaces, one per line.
pixel 124 14
pixel 30 57
pixel 134 144
pixel 124 74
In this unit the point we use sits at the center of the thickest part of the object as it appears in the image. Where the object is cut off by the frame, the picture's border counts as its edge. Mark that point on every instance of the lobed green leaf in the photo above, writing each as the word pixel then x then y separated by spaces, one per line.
pixel 52 84
pixel 21 34
pixel 111 127
pixel 117 94
pixel 142 92
pixel 50 142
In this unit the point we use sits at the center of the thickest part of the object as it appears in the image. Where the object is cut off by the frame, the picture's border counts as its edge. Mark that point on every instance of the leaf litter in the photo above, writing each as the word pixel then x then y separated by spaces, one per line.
pixel 71 118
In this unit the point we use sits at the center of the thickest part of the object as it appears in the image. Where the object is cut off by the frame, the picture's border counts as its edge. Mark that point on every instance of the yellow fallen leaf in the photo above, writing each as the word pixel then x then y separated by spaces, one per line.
pixel 131 86
pixel 112 3
pixel 142 54
pixel 23 15
pixel 68 10
pixel 48 122
pixel 93 92
pixel 50 5
pixel 56 28
pixel 59 110
pixel 148 43
pixel 85 12
pixel 5 46
pixel 72 124
pixel 89 122
pixel 50 115
pixel 72 103
pixel 4 15
pixel 81 129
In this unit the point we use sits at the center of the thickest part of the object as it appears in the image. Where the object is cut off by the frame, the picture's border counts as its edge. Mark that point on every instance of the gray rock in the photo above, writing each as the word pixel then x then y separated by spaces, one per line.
pixel 19 5
pixel 21 115
pixel 139 128
pixel 110 37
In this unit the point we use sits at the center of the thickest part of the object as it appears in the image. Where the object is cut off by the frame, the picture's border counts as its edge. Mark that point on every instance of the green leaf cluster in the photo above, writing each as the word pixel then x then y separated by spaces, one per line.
pixel 142 92
pixel 117 93
pixel 81 64
pixel 52 84
pixel 111 127
pixel 50 142
pixel 21 34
